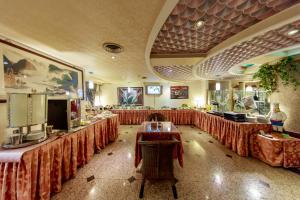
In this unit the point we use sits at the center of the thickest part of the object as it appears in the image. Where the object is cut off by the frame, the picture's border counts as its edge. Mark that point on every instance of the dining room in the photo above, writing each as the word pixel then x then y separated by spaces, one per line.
pixel 160 99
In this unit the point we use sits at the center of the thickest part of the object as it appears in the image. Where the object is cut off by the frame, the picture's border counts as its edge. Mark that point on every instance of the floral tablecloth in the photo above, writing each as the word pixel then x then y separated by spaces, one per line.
pixel 276 151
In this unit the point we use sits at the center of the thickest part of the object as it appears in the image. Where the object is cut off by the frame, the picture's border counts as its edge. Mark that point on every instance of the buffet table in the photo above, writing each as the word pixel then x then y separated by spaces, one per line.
pixel 137 117
pixel 34 172
pixel 276 150
pixel 165 132
pixel 234 135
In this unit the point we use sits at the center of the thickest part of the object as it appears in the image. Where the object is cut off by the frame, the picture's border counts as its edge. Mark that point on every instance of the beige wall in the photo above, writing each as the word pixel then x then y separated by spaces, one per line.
pixel 3 110
pixel 289 100
pixel 197 90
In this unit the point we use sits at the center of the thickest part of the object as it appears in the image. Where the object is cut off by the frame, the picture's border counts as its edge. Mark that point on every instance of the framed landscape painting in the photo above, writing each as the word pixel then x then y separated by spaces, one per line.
pixel 27 73
pixel 179 92
pixel 131 96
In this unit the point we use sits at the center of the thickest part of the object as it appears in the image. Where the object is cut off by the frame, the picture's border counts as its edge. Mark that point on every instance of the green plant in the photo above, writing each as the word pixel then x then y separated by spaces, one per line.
pixel 285 70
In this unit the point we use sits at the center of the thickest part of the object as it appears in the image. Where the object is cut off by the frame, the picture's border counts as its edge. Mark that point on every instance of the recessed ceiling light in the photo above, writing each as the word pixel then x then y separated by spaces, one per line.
pixel 113 57
pixel 199 23
pixel 112 47
pixel 293 32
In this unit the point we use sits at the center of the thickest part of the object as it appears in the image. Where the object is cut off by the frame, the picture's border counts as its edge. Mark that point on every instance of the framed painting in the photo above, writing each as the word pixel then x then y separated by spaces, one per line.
pixel 131 96
pixel 179 92
pixel 25 72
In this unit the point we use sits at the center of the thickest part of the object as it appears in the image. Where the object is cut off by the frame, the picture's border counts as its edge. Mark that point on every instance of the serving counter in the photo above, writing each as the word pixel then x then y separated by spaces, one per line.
pixel 137 117
pixel 36 171
pixel 234 135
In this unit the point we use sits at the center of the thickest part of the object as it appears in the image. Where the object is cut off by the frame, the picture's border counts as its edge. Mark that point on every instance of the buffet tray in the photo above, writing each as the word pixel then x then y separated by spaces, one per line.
pixel 25 144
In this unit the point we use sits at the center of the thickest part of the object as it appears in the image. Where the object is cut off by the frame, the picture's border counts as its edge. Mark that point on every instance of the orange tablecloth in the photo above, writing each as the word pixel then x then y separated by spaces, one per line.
pixel 276 151
pixel 35 172
pixel 137 117
pixel 101 134
pixel 161 135
pixel 113 128
pixel 234 135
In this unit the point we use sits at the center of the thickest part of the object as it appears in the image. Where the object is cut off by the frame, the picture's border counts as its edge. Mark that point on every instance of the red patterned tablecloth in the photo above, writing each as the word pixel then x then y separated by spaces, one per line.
pixel 35 172
pixel 137 117
pixel 276 151
pixel 234 135
pixel 163 134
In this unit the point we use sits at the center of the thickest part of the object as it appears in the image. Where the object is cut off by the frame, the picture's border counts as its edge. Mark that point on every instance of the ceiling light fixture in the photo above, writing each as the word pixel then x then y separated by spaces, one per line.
pixel 199 23
pixel 112 47
pixel 293 32
pixel 113 57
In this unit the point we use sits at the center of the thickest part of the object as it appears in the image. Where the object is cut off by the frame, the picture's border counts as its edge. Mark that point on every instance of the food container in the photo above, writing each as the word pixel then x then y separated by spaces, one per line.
pixel 16 139
pixel 49 130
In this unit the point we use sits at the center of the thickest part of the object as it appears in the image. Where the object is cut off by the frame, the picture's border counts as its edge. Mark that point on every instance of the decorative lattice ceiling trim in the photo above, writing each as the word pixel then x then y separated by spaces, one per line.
pixel 270 41
pixel 222 19
pixel 176 72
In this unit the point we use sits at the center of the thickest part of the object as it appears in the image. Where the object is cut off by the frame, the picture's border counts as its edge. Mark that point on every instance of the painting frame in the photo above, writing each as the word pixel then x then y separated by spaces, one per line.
pixel 179 92
pixel 137 90
pixel 26 53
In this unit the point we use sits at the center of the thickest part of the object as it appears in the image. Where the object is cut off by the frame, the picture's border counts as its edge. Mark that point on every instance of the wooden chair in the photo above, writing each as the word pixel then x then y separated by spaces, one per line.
pixel 156 117
pixel 158 162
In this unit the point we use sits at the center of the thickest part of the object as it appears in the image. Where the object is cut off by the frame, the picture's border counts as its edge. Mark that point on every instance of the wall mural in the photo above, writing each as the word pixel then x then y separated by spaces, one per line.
pixel 131 96
pixel 179 92
pixel 34 74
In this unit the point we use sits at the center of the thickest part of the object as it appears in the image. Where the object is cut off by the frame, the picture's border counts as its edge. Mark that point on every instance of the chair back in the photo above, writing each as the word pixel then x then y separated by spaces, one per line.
pixel 156 117
pixel 158 158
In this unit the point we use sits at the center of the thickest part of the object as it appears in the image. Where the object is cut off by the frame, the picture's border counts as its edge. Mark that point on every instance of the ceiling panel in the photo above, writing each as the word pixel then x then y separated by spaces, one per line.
pixel 176 72
pixel 273 40
pixel 222 19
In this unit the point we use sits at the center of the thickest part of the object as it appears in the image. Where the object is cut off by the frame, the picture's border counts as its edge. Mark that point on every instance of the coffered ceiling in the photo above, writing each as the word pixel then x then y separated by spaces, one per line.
pixel 221 19
pixel 270 41
pixel 231 32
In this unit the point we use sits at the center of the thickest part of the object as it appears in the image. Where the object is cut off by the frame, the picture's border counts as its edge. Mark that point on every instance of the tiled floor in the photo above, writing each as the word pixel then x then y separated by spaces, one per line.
pixel 211 171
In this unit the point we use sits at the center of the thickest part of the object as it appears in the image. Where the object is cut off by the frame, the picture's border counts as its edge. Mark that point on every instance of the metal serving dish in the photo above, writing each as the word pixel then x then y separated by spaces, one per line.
pixel 24 144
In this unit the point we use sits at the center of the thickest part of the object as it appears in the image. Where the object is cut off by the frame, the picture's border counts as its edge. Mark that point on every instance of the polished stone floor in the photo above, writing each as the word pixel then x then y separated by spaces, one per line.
pixel 211 171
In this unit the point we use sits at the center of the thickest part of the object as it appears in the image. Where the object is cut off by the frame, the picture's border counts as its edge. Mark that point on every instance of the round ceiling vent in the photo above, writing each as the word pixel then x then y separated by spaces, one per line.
pixel 112 47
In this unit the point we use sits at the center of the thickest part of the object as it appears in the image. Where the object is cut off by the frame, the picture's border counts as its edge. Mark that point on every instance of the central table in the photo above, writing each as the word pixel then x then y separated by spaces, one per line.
pixel 165 131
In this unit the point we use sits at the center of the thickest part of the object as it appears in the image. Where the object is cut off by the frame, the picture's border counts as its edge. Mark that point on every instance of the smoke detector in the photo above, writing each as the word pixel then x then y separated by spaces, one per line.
pixel 112 47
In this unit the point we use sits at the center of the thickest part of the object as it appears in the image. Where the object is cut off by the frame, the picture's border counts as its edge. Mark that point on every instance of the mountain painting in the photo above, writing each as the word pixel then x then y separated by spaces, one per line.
pixel 35 74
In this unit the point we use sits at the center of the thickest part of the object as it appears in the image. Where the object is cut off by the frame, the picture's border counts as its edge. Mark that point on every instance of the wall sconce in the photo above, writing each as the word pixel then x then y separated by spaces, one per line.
pixel 199 102
pixel 91 84
pixel 218 86
pixel 249 88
